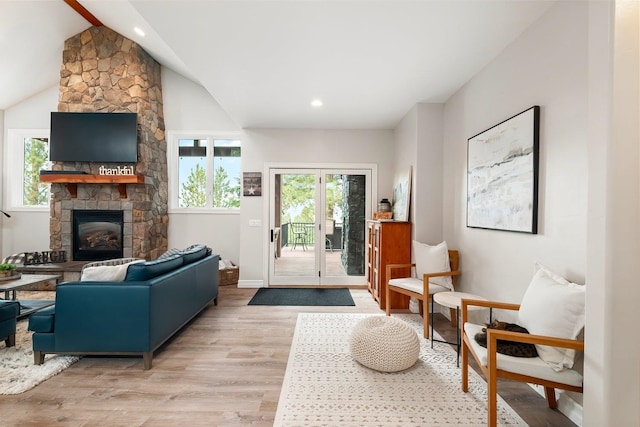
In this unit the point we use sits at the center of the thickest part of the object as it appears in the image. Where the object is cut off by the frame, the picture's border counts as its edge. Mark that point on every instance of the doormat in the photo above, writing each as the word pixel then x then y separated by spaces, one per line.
pixel 303 296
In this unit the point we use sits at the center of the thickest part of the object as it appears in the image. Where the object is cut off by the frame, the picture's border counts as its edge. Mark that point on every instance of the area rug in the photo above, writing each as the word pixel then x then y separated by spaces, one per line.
pixel 17 371
pixel 324 386
pixel 303 296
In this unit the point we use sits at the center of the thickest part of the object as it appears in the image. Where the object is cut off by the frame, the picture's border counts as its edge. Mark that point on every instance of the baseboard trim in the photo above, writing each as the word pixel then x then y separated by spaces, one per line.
pixel 251 284
pixel 566 405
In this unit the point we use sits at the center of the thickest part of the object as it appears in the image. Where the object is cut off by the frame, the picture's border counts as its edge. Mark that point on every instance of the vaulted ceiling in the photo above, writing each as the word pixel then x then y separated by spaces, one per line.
pixel 264 62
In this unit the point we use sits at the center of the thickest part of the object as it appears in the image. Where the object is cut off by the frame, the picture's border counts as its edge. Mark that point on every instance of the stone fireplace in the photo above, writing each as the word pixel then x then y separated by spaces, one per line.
pixel 103 71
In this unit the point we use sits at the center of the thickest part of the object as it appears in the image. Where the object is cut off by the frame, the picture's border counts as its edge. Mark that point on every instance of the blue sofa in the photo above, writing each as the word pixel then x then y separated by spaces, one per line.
pixel 131 317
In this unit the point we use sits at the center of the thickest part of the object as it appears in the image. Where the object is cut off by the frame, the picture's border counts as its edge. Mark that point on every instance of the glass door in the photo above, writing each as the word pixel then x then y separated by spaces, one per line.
pixel 317 221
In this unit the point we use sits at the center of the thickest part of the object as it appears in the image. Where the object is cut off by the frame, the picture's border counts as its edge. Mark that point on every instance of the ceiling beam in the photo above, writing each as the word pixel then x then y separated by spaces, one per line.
pixel 75 5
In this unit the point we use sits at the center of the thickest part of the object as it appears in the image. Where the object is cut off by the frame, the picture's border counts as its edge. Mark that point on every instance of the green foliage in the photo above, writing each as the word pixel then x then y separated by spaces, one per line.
pixel 36 156
pixel 193 192
pixel 298 196
pixel 225 193
pixel 7 267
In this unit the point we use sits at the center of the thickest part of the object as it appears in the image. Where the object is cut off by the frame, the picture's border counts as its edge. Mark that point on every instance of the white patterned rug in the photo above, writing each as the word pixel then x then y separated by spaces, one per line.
pixel 17 371
pixel 324 386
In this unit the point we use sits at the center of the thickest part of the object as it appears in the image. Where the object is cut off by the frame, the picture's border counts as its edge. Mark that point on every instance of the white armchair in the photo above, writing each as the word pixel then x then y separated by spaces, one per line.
pixel 552 310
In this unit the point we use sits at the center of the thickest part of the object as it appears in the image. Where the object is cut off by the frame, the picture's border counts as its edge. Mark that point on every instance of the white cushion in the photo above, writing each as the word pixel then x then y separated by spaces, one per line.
pixel 555 307
pixel 415 285
pixel 532 366
pixel 432 259
pixel 106 273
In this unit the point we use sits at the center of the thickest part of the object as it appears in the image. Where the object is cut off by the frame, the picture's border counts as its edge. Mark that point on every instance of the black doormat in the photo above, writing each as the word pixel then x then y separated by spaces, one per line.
pixel 302 296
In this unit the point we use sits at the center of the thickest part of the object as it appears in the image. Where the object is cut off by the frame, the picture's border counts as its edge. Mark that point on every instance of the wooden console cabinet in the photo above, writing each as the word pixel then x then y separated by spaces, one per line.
pixel 389 243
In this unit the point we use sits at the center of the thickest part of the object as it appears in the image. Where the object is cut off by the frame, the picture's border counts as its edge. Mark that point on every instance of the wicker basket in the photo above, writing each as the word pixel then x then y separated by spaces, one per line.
pixel 229 276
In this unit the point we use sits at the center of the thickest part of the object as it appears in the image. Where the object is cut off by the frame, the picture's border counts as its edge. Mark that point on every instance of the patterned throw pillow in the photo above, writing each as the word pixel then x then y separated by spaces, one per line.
pixel 14 259
pixel 170 252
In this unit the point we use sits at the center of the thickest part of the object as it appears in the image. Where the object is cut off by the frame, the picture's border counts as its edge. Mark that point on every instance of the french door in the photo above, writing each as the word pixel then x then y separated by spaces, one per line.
pixel 317 226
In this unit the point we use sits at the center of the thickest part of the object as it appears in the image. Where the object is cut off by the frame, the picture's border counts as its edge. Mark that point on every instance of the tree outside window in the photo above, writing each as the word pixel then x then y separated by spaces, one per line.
pixel 36 158
pixel 212 164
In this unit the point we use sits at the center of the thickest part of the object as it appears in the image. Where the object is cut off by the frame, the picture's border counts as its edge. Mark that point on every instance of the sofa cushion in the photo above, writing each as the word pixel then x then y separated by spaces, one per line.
pixel 43 320
pixel 150 269
pixel 107 273
pixel 194 253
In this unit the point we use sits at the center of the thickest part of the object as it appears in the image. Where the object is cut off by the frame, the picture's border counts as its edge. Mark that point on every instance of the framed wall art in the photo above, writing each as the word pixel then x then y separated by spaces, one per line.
pixel 502 175
pixel 251 184
pixel 402 196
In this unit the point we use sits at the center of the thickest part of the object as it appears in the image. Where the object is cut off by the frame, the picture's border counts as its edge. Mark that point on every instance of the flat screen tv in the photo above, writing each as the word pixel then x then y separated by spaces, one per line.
pixel 93 137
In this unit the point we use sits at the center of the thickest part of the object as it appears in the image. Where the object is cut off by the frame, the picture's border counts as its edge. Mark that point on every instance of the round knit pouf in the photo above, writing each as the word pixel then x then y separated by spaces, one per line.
pixel 384 343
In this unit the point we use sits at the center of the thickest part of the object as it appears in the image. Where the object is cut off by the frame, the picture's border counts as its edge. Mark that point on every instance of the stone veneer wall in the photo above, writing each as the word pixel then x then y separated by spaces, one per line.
pixel 103 71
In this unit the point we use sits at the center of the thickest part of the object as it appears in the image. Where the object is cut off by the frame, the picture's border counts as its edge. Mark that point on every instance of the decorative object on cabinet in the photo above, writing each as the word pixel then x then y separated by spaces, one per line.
pixel 502 175
pixel 436 268
pixel 389 242
pixel 402 196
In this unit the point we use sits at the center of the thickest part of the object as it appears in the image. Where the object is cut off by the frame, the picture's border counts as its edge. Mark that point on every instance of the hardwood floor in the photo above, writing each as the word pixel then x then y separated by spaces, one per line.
pixel 224 369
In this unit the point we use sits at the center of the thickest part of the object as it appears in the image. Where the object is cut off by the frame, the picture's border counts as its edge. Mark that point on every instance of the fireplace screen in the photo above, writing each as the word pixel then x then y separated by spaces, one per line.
pixel 97 235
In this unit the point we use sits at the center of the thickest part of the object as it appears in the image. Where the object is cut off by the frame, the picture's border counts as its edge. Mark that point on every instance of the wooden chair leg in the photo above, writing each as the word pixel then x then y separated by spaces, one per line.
pixel 454 317
pixel 465 367
pixel 492 383
pixel 10 341
pixel 387 306
pixel 550 394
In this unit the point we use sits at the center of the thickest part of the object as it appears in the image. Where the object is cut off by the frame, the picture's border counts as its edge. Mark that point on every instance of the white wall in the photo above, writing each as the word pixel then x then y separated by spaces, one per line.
pixel 189 107
pixel 304 146
pixel 545 66
pixel 418 143
pixel 612 368
pixel 28 228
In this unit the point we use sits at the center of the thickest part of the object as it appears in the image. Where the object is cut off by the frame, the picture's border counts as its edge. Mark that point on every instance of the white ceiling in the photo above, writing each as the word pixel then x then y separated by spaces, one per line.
pixel 265 60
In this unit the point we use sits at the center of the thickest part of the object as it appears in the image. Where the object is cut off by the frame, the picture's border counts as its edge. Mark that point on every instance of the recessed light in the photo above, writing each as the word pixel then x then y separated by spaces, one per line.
pixel 138 31
pixel 316 103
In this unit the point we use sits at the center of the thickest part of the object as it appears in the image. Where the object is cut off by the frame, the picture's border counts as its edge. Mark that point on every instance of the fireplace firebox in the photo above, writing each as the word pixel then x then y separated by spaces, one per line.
pixel 97 234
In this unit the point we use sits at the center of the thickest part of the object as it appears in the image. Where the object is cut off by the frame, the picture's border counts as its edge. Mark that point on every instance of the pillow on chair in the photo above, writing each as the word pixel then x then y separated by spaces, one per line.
pixel 432 259
pixel 555 307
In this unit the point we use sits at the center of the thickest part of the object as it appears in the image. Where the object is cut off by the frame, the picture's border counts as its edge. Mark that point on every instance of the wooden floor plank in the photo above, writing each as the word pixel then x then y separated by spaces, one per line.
pixel 223 369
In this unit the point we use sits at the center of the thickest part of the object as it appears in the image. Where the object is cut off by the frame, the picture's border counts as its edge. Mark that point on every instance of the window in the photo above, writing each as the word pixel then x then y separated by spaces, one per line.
pixel 208 172
pixel 27 155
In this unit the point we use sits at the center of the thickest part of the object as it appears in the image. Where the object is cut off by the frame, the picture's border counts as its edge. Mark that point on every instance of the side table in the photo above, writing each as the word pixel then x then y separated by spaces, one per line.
pixel 453 300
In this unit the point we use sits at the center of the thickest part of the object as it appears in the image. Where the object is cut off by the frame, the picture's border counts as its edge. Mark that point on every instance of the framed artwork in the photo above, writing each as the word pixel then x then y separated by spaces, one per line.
pixel 402 196
pixel 252 184
pixel 502 175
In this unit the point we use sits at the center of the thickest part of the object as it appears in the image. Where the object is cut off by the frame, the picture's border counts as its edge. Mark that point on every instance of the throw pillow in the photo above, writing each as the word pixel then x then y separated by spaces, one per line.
pixel 432 259
pixel 170 252
pixel 106 273
pixel 553 306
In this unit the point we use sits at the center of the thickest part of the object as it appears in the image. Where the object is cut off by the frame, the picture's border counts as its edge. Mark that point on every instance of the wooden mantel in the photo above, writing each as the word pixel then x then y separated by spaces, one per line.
pixel 72 180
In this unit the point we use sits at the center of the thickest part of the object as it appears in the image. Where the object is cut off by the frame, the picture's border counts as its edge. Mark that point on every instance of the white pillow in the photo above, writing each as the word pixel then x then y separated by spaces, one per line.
pixel 432 259
pixel 106 273
pixel 553 306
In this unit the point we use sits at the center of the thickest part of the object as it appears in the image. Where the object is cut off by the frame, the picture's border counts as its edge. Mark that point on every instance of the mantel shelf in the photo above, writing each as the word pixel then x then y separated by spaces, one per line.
pixel 72 180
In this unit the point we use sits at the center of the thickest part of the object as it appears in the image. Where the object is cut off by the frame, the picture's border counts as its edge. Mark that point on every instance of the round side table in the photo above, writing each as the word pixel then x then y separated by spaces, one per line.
pixel 453 300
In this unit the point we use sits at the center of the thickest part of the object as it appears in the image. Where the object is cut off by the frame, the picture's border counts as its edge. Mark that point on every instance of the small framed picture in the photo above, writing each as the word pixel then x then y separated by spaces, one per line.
pixel 252 184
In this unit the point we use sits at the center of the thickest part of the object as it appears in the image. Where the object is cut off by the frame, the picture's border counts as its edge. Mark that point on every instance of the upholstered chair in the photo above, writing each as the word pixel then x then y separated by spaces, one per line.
pixel 9 311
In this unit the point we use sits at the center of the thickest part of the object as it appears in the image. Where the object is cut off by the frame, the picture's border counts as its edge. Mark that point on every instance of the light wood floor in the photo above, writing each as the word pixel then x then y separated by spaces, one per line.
pixel 224 369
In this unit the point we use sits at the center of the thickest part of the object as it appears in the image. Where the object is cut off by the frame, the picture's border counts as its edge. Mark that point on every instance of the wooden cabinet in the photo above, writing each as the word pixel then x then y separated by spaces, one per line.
pixel 389 242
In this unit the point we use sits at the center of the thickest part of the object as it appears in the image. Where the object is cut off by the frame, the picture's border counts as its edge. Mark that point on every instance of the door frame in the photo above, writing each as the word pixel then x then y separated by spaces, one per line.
pixel 368 168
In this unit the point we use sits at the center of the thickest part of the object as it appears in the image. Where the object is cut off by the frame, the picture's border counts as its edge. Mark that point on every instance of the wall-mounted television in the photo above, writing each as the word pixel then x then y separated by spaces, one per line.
pixel 93 137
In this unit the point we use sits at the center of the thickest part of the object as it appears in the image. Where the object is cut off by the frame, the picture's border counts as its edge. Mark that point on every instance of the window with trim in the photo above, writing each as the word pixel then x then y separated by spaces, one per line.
pixel 27 155
pixel 207 172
